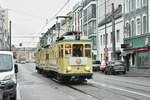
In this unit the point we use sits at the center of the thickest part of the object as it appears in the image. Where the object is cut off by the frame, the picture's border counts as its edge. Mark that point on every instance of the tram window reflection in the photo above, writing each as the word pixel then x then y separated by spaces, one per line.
pixel 68 52
pixel 78 50
pixel 88 53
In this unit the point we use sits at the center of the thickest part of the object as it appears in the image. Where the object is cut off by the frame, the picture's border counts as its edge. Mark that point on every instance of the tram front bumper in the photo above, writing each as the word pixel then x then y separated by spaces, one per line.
pixel 88 76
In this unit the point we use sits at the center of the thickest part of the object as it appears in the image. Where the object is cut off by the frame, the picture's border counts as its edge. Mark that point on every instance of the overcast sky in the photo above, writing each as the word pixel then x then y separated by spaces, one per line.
pixel 29 16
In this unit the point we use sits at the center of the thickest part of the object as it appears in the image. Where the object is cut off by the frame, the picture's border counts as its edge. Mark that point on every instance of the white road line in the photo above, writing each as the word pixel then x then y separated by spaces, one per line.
pixel 18 92
pixel 121 89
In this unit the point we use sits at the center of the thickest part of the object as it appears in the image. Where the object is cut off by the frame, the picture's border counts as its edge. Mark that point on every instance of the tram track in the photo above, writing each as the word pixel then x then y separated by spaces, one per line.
pixel 76 89
pixel 97 87
pixel 124 89
pixel 127 83
pixel 94 87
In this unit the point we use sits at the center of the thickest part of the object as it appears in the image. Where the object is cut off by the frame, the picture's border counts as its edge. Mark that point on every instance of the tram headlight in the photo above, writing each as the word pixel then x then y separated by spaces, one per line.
pixel 87 68
pixel 69 69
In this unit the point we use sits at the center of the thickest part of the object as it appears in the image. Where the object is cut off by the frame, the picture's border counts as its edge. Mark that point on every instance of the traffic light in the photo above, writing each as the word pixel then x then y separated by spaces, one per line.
pixel 20 44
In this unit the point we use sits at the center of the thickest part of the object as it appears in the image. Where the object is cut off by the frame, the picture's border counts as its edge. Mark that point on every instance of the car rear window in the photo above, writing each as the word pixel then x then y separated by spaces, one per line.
pixel 96 62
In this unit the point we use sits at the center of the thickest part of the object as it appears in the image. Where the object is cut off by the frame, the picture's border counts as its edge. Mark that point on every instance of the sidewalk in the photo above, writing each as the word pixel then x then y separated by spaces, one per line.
pixel 138 73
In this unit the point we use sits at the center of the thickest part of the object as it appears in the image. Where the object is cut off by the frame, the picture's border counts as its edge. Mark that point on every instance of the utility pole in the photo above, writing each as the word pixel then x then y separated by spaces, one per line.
pixel 10 33
pixel 105 27
pixel 113 33
pixel 105 49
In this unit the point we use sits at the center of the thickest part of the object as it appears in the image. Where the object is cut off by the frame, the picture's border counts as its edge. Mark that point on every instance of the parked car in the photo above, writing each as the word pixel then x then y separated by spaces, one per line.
pixel 102 67
pixel 96 64
pixel 115 66
pixel 8 81
pixel 22 62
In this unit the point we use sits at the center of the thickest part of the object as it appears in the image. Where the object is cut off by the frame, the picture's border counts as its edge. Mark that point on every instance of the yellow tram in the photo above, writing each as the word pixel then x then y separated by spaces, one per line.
pixel 69 58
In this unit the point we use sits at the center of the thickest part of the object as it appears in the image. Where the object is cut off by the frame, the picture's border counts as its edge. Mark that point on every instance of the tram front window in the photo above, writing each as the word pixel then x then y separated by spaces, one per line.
pixel 77 50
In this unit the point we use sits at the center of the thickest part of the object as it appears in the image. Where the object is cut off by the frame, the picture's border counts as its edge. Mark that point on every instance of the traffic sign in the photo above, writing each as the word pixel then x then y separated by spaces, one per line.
pixel 106 49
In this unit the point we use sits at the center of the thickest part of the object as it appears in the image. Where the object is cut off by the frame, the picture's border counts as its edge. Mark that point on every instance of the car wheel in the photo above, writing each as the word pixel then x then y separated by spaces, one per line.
pixel 13 98
pixel 5 97
pixel 110 72
pixel 105 72
pixel 124 72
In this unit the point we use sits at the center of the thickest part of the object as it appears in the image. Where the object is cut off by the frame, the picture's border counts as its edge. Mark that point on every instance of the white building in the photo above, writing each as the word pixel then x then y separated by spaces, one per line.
pixel 77 17
pixel 4 33
pixel 89 22
pixel 119 26
pixel 137 37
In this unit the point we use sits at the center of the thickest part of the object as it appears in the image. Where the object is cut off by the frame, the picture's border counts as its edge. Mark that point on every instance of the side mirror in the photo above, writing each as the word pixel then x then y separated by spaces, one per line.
pixel 16 68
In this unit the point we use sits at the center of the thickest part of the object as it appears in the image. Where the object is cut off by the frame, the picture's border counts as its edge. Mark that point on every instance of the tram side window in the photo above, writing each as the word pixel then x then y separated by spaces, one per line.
pixel 47 56
pixel 61 51
pixel 88 50
pixel 77 50
pixel 68 50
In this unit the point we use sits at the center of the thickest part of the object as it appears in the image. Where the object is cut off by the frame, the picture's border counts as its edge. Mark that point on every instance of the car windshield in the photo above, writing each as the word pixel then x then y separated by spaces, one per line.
pixel 103 63
pixel 5 62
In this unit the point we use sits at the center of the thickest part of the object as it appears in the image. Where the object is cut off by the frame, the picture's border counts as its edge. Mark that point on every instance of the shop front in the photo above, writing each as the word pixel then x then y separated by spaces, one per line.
pixel 137 52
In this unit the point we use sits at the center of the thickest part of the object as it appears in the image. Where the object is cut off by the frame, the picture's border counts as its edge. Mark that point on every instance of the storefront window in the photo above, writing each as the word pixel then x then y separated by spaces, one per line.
pixel 142 59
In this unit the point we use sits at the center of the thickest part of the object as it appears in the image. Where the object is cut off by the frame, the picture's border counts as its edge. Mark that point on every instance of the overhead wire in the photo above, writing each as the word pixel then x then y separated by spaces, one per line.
pixel 55 15
pixel 49 20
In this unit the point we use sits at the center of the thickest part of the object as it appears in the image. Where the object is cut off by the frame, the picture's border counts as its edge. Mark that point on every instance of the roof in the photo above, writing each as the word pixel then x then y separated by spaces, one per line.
pixel 6 52
pixel 118 14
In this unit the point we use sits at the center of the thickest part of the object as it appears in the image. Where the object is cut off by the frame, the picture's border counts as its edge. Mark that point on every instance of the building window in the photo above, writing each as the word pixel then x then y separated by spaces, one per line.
pixel 144 24
pixel 133 28
pixel 92 27
pixel 132 5
pixel 111 37
pixel 85 15
pixel 138 26
pixel 144 3
pixel 104 39
pixel 138 4
pixel 127 29
pixel 127 6
pixel 94 42
pixel 107 38
pixel 101 39
pixel 85 29
pixel 142 59
pixel 118 36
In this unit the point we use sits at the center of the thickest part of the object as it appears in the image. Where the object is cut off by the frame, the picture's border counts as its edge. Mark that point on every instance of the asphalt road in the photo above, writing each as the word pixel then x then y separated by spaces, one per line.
pixel 33 86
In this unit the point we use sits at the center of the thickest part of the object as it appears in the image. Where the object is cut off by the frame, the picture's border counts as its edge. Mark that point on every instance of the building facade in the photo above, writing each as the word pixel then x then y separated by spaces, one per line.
pixel 77 17
pixel 89 22
pixel 136 32
pixel 104 29
pixel 4 33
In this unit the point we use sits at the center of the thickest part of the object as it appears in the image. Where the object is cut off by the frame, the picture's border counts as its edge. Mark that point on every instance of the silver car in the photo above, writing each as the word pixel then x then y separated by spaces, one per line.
pixel 116 66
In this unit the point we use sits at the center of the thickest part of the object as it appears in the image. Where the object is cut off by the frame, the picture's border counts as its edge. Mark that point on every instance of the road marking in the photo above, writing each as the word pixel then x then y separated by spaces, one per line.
pixel 18 92
pixel 121 89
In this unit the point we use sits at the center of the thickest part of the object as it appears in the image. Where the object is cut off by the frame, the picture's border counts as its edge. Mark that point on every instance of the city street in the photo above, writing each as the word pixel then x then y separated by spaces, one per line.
pixel 33 86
